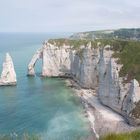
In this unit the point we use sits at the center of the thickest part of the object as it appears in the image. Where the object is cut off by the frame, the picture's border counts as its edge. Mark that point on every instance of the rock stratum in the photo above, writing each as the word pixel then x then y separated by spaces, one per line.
pixel 92 67
pixel 8 76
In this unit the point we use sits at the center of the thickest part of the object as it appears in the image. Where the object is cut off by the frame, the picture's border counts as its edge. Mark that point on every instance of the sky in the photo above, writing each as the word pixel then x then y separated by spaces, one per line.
pixel 68 15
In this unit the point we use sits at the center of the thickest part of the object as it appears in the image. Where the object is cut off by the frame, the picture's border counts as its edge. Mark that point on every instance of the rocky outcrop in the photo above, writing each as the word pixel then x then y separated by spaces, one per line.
pixel 37 55
pixel 56 60
pixel 109 89
pixel 84 64
pixel 114 93
pixel 8 76
pixel 131 103
pixel 92 67
pixel 65 61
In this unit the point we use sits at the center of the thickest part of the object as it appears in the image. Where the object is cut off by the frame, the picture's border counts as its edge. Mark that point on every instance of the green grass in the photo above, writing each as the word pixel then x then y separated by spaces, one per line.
pixel 135 135
pixel 26 137
pixel 128 53
pixel 127 34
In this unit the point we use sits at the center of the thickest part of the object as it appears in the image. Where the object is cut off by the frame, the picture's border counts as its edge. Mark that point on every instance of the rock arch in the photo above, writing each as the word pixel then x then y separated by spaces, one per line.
pixel 36 56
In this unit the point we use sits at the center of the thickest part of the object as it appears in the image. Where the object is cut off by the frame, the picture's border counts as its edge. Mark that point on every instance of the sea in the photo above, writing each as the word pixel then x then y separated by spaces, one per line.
pixel 37 106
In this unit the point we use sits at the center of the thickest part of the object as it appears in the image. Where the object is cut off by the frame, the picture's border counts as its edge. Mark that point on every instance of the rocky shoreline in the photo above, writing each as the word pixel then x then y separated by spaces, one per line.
pixel 102 119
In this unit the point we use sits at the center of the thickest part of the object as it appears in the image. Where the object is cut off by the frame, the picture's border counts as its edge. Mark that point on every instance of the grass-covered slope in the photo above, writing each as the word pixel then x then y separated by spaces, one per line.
pixel 129 54
pixel 135 135
pixel 129 34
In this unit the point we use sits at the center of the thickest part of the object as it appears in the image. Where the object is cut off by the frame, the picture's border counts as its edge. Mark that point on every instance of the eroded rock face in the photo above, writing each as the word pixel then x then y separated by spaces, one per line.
pixel 8 76
pixel 83 65
pixel 121 97
pixel 36 56
pixel 65 61
pixel 109 90
pixel 131 104
pixel 56 60
pixel 92 68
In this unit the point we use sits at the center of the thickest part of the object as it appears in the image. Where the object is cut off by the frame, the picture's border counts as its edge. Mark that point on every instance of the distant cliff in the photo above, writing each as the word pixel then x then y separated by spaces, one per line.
pixel 128 34
pixel 95 65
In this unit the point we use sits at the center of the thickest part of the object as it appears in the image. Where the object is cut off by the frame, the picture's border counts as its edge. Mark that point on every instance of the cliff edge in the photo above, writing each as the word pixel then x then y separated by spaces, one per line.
pixel 91 65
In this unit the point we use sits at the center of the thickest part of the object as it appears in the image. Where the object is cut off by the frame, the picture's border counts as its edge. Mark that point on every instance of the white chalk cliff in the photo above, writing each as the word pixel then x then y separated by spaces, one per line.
pixel 114 93
pixel 8 76
pixel 92 68
pixel 65 61
pixel 37 55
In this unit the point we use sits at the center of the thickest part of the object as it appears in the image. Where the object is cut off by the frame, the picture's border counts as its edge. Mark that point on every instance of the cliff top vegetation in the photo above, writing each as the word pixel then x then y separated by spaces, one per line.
pixel 127 34
pixel 135 135
pixel 75 44
pixel 127 51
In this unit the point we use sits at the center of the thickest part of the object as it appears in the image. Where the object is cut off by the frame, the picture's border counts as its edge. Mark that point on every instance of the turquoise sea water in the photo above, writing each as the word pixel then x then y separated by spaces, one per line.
pixel 37 106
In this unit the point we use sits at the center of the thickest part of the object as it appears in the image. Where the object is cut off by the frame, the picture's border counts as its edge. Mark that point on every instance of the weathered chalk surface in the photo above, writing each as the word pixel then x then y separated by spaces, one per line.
pixel 8 76
pixel 92 68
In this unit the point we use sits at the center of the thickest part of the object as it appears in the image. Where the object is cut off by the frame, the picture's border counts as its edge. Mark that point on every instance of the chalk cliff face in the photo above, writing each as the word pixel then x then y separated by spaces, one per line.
pixel 92 68
pixel 84 66
pixel 109 89
pixel 114 93
pixel 131 104
pixel 66 61
pixel 8 76
pixel 37 55
pixel 56 60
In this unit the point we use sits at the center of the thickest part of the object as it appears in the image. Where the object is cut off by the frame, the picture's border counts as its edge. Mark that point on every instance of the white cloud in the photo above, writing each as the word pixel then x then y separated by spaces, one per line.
pixel 68 15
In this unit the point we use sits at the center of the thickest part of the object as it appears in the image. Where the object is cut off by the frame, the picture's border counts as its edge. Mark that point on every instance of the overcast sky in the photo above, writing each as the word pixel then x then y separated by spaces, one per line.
pixel 67 15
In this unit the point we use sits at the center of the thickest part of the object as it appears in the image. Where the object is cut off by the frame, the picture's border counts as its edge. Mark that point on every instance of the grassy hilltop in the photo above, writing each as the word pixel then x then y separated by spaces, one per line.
pixel 127 34
pixel 128 52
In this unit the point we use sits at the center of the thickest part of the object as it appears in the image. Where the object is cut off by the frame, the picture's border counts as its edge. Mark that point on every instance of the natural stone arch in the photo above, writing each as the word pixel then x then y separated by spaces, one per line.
pixel 35 58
